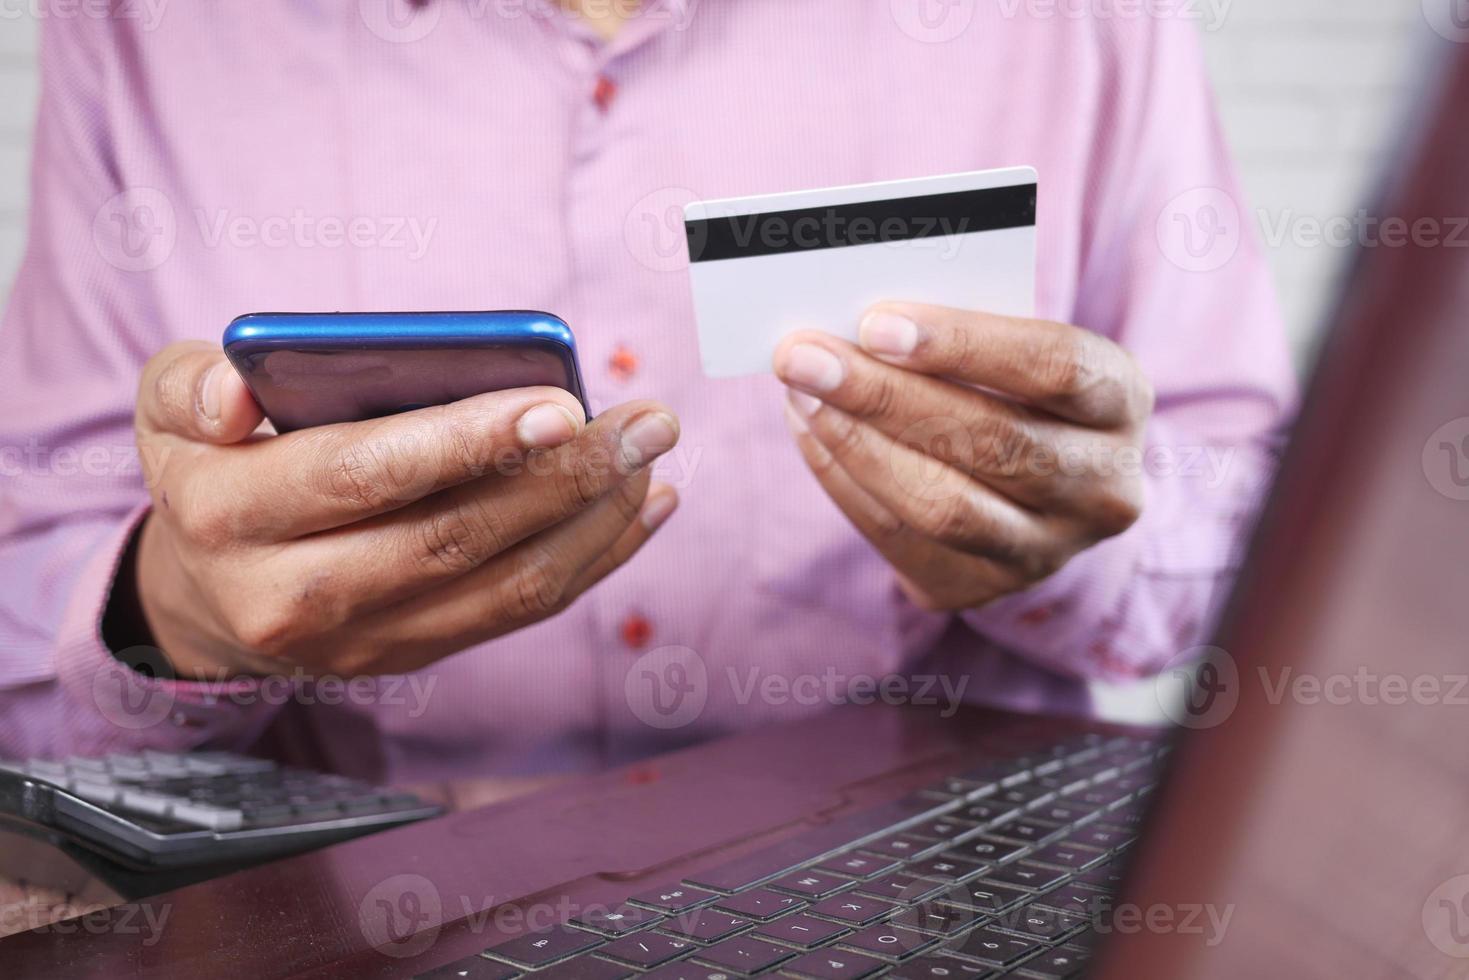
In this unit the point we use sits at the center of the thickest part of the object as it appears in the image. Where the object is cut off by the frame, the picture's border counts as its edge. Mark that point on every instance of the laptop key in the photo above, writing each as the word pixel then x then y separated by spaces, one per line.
pixel 943 828
pixel 857 910
pixel 802 930
pixel 899 886
pixel 646 949
pixel 472 968
pixel 810 884
pixel 858 865
pixel 615 922
pixel 1104 878
pixel 983 895
pixel 761 904
pixel 1059 964
pixel 1067 856
pixel 900 846
pixel 536 949
pixel 684 970
pixel 993 948
pixel 585 968
pixel 789 855
pixel 940 968
pixel 744 955
pixel 1038 921
pixel 946 869
pixel 1022 874
pixel 988 850
pixel 1075 900
pixel 889 941
pixel 937 920
pixel 833 964
pixel 671 900
pixel 705 925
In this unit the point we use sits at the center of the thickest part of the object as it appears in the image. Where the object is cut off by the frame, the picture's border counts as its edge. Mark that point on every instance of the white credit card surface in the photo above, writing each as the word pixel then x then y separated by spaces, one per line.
pixel 762 267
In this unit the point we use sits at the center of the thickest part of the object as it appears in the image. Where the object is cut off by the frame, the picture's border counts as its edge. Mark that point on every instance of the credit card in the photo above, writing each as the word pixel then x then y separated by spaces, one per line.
pixel 762 267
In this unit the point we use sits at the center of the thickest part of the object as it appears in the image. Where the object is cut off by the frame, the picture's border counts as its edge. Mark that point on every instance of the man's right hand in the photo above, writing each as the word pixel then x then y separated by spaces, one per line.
pixel 380 546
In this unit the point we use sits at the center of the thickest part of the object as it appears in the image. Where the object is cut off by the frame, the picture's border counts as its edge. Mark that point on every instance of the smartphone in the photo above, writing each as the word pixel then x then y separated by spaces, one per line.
pixel 308 369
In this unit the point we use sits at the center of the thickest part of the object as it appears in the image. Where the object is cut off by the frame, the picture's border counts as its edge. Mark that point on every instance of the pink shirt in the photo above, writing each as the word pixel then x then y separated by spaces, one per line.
pixel 489 154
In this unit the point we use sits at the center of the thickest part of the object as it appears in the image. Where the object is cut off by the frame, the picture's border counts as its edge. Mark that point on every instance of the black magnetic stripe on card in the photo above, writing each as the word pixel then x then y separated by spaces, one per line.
pixel 900 219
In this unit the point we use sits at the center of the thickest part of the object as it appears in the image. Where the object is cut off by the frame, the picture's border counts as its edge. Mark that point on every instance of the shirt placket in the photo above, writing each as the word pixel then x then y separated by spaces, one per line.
pixel 622 625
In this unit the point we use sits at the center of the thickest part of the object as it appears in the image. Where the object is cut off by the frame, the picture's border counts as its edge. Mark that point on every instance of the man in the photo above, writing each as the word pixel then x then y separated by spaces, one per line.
pixel 1014 507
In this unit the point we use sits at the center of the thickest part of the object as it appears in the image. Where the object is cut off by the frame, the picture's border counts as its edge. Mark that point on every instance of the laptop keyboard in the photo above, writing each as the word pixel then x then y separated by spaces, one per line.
pixel 999 871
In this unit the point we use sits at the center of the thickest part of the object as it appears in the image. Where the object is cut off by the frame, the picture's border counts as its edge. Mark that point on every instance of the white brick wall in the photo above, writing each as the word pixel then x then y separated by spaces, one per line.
pixel 1306 89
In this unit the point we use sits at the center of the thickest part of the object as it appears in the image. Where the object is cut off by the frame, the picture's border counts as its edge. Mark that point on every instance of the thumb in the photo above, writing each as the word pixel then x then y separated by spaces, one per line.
pixel 190 390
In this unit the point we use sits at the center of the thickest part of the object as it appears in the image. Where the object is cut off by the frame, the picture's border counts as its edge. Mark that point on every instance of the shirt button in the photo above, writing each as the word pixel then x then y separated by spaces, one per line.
pixel 636 631
pixel 604 93
pixel 623 363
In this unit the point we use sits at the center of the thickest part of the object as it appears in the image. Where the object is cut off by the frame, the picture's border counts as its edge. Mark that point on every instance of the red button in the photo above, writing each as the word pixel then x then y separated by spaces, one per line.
pixel 636 631
pixel 623 363
pixel 604 93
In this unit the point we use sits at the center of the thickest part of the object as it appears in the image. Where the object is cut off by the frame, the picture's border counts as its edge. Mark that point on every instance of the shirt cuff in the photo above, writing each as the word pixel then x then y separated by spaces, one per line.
pixel 1063 622
pixel 113 707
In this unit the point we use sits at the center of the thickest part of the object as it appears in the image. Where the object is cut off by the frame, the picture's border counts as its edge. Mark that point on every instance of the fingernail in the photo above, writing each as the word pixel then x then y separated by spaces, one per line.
pixel 813 368
pixel 210 393
pixel 805 405
pixel 648 436
pixel 657 510
pixel 888 333
pixel 546 426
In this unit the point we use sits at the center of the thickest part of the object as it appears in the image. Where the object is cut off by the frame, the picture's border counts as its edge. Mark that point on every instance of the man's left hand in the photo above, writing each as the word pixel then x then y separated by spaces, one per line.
pixel 978 453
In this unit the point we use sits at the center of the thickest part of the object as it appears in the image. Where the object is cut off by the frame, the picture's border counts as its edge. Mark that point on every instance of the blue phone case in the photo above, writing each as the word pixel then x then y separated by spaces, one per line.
pixel 308 369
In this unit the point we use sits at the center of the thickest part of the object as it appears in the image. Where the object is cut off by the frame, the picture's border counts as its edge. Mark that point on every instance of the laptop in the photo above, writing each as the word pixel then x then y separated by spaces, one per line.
pixel 1308 818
